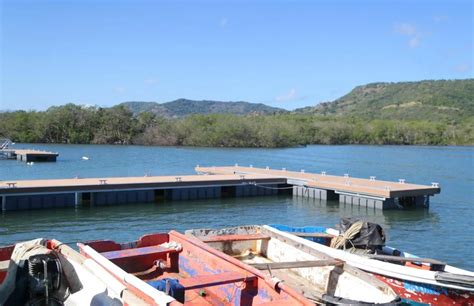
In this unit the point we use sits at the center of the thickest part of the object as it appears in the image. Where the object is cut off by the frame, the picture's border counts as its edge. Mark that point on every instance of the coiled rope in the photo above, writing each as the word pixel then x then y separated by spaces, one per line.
pixel 340 241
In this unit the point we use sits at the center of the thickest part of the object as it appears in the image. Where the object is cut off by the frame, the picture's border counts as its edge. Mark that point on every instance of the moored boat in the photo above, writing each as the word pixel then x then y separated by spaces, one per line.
pixel 47 272
pixel 173 269
pixel 283 257
pixel 414 279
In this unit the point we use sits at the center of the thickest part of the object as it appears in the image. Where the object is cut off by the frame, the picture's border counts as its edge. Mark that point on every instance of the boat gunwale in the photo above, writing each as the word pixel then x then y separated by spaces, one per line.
pixel 380 267
pixel 300 244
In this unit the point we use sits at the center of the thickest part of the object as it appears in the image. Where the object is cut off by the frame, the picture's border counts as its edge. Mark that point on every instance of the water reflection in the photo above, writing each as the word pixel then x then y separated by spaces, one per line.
pixel 387 217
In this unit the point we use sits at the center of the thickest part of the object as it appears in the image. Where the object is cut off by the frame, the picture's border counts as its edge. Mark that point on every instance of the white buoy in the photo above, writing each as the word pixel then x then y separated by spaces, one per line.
pixel 30 163
pixel 85 158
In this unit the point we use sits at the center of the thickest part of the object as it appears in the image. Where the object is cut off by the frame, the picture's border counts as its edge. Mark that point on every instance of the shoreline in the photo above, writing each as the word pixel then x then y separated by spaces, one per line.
pixel 244 147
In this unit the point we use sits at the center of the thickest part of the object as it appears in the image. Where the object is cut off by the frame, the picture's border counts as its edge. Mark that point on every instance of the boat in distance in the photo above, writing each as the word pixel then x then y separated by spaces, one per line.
pixel 46 272
pixel 174 269
pixel 416 280
pixel 284 258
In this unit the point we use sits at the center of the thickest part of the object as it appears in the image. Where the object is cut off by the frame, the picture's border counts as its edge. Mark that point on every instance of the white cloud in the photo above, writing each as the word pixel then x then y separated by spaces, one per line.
pixel 409 30
pixel 291 95
pixel 223 22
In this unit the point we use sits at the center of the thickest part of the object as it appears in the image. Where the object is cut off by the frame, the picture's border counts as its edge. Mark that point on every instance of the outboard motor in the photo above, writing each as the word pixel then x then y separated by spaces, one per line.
pixel 44 279
pixel 368 236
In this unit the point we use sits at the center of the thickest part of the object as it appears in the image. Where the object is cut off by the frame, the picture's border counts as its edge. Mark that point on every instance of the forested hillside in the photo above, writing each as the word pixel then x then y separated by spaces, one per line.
pixel 184 107
pixel 118 125
pixel 447 100
pixel 424 113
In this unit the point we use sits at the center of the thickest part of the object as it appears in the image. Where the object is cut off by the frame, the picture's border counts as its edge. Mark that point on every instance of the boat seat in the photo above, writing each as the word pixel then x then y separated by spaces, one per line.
pixel 297 264
pixel 225 238
pixel 137 252
pixel 203 281
pixel 4 264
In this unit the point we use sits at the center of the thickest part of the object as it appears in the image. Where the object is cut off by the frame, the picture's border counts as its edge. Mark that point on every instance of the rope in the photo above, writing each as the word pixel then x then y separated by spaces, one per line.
pixel 277 188
pixel 340 241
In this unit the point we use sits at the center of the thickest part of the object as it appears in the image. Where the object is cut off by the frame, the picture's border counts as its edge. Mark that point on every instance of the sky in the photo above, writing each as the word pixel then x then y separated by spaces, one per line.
pixel 287 54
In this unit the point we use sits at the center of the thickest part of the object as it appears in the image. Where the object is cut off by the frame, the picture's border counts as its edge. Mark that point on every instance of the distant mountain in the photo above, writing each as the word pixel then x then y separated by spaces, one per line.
pixel 429 100
pixel 184 107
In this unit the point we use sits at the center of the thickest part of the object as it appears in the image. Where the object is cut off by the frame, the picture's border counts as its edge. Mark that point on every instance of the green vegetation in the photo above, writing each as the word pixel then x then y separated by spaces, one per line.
pixel 424 113
pixel 450 100
pixel 117 125
pixel 183 107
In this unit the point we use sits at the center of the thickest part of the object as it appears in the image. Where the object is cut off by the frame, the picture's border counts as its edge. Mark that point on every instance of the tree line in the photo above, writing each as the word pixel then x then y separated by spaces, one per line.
pixel 118 125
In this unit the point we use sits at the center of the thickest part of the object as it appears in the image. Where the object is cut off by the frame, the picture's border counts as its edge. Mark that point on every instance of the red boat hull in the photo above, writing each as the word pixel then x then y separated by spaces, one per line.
pixel 210 277
pixel 427 294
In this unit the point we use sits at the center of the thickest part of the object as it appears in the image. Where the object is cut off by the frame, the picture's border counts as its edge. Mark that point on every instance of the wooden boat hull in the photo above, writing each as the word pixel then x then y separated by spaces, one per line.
pixel 427 294
pixel 411 283
pixel 81 281
pixel 318 276
pixel 209 277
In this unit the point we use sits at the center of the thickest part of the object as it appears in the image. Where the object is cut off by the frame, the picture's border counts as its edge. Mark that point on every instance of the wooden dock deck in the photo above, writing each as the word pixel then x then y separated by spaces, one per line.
pixel 372 187
pixel 29 155
pixel 346 188
pixel 213 182
pixel 52 193
pixel 52 185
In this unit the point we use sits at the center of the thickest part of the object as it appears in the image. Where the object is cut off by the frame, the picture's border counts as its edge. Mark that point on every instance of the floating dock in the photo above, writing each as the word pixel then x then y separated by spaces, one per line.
pixel 354 191
pixel 28 156
pixel 25 155
pixel 213 182
pixel 39 194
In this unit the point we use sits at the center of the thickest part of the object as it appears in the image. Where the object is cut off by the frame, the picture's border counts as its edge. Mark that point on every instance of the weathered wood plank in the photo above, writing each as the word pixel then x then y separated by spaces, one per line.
pixel 312 235
pixel 405 259
pixel 203 281
pixel 297 264
pixel 4 265
pixel 225 238
pixel 135 252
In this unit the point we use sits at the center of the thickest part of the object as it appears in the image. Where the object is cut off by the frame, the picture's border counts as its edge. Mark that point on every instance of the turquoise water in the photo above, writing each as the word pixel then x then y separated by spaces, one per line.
pixel 445 231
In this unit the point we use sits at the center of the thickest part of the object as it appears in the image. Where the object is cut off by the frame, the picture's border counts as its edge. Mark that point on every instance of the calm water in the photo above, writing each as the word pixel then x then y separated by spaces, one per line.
pixel 445 231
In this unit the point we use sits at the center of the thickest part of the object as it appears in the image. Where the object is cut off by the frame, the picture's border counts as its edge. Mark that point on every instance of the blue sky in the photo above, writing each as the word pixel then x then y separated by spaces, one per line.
pixel 283 53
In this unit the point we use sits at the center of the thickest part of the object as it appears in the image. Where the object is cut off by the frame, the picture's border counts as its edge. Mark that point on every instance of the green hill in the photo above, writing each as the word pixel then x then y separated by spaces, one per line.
pixel 446 100
pixel 183 107
pixel 420 113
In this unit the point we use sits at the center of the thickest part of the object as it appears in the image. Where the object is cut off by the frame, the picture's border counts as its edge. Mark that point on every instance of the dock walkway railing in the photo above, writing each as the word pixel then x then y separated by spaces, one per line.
pixel 4 143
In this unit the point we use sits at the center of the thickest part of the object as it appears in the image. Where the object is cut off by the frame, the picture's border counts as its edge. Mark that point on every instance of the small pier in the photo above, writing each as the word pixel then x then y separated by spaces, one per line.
pixel 42 194
pixel 212 182
pixel 371 192
pixel 29 156
pixel 25 155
